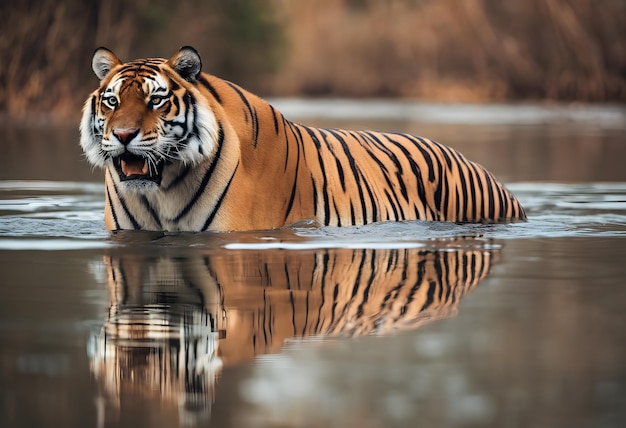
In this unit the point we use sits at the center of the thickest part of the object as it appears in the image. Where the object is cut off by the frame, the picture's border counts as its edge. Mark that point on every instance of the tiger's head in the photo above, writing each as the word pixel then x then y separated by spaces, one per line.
pixel 147 117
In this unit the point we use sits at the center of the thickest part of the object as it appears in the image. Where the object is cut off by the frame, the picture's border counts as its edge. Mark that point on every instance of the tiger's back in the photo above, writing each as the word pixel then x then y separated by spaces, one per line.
pixel 341 177
pixel 224 159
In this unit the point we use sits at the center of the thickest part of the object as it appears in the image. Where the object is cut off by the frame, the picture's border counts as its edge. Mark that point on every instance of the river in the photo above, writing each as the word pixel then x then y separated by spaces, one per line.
pixel 386 325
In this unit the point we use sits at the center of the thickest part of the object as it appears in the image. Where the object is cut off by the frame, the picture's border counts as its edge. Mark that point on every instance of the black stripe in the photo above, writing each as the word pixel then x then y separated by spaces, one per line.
pixel 370 281
pixel 393 206
pixel 511 206
pixel 391 254
pixel 255 128
pixel 110 202
pixel 123 278
pixel 472 188
pixel 219 201
pixel 151 210
pixel 331 150
pixel 503 202
pixel 342 178
pixel 392 156
pixel 430 146
pixel 352 214
pixel 421 269
pixel 490 197
pixel 392 295
pixel 445 151
pixel 189 105
pixel 486 265
pixel 205 179
pixel 421 189
pixel 385 173
pixel 464 189
pixel 176 103
pixel 357 280
pixel 287 141
pixel 444 184
pixel 430 295
pixel 287 277
pixel 167 111
pixel 479 174
pixel 334 305
pixel 292 303
pixel 275 119
pixel 124 206
pixel 468 265
pixel 152 66
pixel 373 200
pixel 92 116
pixel 295 179
pixel 462 211
pixel 268 321
pixel 173 85
pixel 325 198
pixel 475 258
pixel 210 88
pixel 355 170
pixel 425 155
pixel 449 269
pixel 314 196
pixel 293 194
pixel 336 213
pixel 499 204
pixel 325 260
pixel 306 314
pixel 242 96
pixel 518 210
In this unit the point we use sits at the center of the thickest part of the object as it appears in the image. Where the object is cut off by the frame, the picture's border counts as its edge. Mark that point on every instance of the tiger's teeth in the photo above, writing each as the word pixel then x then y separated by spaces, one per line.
pixel 134 167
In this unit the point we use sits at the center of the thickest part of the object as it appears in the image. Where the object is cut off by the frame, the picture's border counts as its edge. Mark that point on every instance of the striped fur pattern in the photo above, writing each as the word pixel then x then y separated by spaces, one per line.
pixel 186 151
pixel 255 300
pixel 175 322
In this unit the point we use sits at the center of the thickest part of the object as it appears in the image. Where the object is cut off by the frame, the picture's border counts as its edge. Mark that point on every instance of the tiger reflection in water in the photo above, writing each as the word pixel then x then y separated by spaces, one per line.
pixel 173 323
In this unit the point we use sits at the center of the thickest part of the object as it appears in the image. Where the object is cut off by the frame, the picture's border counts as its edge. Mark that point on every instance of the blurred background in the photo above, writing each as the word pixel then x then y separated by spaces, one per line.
pixel 534 90
pixel 437 50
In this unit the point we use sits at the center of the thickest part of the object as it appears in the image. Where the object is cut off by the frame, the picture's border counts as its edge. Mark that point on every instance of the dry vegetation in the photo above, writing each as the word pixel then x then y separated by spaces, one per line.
pixel 46 45
pixel 476 49
pixel 470 50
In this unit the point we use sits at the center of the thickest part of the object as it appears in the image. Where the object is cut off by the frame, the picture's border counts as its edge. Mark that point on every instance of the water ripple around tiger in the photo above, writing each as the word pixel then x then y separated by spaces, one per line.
pixel 48 215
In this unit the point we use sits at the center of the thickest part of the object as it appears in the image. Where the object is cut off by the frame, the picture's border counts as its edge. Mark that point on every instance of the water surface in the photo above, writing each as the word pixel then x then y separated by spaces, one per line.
pixel 386 325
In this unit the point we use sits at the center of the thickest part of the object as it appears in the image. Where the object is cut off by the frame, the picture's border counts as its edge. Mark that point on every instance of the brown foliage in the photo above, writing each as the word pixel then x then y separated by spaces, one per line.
pixel 450 49
pixel 432 49
pixel 46 45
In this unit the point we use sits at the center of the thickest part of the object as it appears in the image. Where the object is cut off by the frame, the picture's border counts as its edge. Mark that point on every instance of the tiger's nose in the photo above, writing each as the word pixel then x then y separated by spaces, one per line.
pixel 125 135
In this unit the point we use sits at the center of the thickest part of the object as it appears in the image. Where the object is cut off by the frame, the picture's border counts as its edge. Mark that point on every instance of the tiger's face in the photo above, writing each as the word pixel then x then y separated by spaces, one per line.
pixel 146 118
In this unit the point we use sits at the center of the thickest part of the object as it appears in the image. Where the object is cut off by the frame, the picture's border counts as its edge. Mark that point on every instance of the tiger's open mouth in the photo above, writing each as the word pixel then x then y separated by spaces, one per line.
pixel 133 167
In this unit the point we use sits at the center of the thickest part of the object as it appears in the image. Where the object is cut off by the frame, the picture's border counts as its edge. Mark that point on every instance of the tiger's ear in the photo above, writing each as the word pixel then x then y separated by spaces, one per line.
pixel 187 63
pixel 103 62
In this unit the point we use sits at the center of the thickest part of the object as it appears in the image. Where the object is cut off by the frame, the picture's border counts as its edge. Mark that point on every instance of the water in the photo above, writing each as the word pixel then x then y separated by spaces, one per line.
pixel 386 325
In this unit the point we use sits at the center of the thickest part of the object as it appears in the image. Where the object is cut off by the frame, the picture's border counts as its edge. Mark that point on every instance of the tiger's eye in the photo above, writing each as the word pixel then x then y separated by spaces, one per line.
pixel 156 100
pixel 111 101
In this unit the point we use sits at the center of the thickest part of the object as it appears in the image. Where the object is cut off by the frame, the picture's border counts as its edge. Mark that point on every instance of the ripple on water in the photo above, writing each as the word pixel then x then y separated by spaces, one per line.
pixel 46 215
pixel 67 215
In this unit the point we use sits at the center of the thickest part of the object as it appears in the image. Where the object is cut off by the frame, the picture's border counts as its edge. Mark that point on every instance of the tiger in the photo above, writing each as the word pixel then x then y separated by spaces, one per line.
pixel 183 150
pixel 175 321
